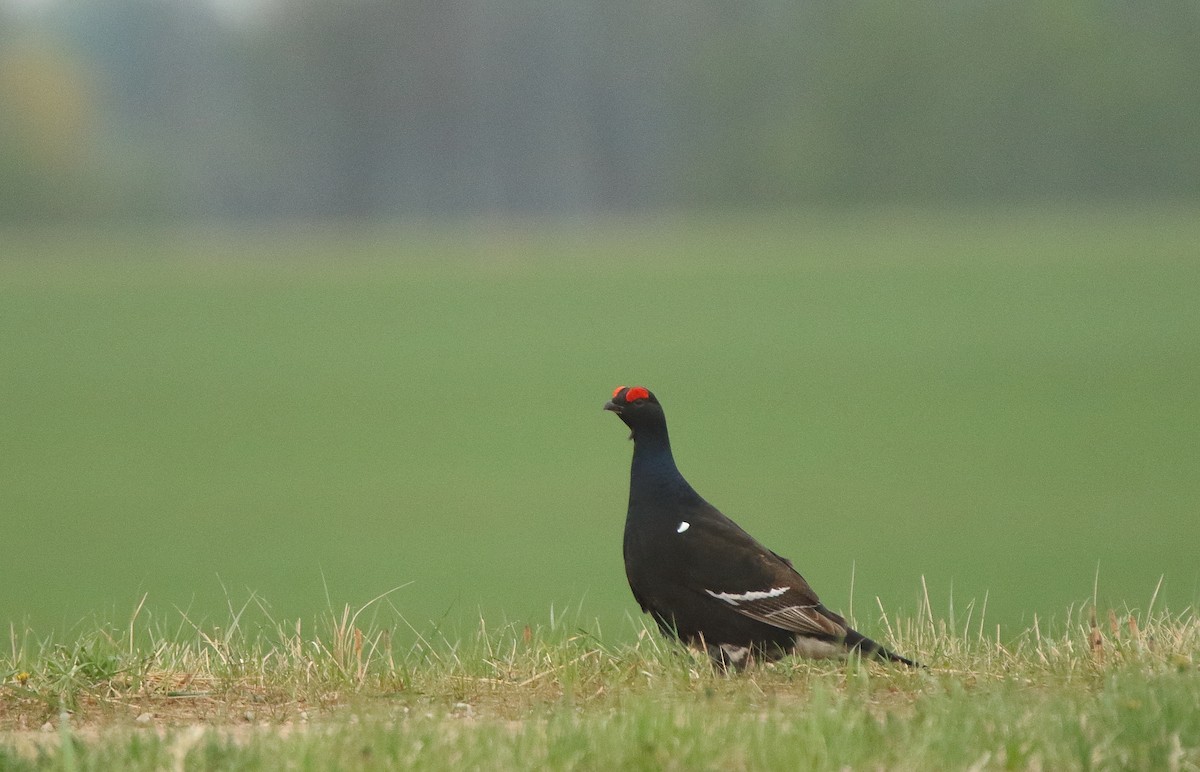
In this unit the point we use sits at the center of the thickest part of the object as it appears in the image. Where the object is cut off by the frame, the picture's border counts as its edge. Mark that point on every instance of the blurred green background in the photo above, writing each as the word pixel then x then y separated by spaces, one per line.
pixel 1001 403
pixel 313 300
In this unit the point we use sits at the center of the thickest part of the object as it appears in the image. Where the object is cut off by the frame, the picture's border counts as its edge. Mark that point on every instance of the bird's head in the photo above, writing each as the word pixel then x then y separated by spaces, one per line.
pixel 637 407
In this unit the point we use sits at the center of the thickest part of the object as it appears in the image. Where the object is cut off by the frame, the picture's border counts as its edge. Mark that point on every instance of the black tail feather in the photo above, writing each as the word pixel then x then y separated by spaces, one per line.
pixel 857 642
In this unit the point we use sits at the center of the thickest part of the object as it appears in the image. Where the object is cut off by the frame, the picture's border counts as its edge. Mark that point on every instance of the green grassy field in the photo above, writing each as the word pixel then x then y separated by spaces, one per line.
pixel 1002 403
pixel 1107 692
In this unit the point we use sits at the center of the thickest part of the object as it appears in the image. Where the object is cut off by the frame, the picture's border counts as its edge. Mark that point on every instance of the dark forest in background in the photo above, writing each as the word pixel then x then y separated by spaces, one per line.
pixel 377 108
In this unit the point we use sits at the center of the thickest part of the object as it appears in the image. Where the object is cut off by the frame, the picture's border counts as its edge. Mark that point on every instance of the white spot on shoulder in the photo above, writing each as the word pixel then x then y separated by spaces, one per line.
pixel 683 527
pixel 734 599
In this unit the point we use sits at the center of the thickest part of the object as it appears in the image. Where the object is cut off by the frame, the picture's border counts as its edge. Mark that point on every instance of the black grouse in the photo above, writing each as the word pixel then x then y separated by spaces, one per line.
pixel 704 579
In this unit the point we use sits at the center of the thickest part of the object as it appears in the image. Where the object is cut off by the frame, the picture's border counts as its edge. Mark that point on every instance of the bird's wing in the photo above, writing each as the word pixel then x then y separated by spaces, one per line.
pixel 784 608
pixel 735 569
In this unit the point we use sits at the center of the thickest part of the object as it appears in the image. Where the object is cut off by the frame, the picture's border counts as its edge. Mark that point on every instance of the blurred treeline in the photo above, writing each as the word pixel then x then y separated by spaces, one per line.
pixel 172 108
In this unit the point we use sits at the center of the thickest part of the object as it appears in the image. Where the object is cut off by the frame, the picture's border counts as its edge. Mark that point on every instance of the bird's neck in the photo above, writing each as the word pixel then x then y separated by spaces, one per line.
pixel 653 473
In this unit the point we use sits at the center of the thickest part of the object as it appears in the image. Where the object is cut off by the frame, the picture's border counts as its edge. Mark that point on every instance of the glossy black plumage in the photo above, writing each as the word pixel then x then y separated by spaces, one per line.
pixel 705 580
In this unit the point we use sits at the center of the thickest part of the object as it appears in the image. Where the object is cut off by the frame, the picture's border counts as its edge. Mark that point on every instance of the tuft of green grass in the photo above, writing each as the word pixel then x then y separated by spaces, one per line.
pixel 1093 689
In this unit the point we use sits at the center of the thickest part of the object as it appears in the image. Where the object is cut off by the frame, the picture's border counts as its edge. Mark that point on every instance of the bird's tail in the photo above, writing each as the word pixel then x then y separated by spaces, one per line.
pixel 868 648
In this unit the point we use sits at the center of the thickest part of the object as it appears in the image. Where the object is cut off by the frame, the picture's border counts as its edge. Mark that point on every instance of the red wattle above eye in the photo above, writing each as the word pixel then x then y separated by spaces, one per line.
pixel 637 392
pixel 617 391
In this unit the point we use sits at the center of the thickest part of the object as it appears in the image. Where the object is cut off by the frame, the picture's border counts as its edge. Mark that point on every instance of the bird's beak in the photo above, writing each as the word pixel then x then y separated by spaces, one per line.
pixel 613 406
